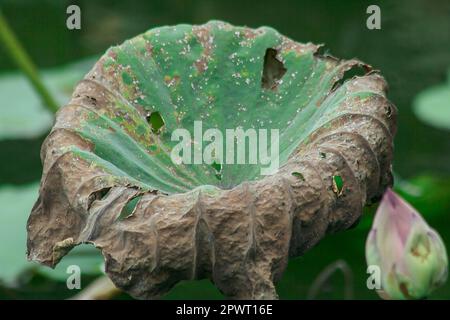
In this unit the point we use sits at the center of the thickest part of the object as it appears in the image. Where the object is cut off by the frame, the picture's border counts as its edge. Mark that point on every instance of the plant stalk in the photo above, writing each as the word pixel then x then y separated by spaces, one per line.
pixel 100 289
pixel 23 61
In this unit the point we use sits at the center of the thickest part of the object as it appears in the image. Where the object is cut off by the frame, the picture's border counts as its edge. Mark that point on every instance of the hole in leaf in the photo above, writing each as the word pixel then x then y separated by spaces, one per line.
pixel 218 167
pixel 338 185
pixel 92 100
pixel 323 52
pixel 355 71
pixel 97 195
pixel 128 209
pixel 155 121
pixel 273 70
pixel 298 175
pixel 388 111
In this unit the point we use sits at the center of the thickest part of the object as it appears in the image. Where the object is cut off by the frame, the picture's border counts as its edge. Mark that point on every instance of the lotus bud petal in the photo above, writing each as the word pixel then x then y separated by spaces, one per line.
pixel 411 255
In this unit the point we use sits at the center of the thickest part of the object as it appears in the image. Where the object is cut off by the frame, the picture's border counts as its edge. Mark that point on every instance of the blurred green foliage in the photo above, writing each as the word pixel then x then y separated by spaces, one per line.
pixel 412 51
pixel 24 116
pixel 432 105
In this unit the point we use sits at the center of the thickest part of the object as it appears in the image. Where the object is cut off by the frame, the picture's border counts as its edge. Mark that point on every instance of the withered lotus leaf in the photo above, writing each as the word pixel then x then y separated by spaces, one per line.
pixel 108 178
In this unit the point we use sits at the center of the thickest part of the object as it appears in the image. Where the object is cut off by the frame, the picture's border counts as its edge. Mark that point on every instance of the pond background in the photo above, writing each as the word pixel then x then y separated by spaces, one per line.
pixel 412 50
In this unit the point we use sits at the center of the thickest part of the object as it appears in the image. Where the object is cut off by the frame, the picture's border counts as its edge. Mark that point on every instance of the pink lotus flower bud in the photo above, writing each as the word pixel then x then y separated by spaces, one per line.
pixel 411 255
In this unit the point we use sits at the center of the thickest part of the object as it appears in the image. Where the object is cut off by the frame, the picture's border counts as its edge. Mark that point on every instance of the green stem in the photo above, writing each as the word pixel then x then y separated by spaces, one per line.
pixel 23 61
